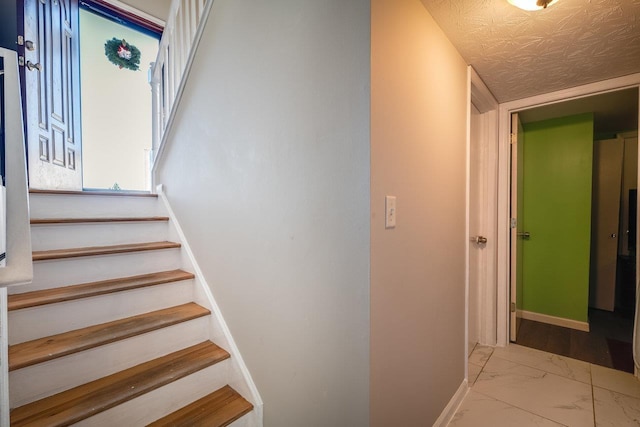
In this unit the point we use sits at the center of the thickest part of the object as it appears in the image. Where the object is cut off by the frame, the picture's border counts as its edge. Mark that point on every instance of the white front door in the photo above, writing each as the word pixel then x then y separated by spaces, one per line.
pixel 53 94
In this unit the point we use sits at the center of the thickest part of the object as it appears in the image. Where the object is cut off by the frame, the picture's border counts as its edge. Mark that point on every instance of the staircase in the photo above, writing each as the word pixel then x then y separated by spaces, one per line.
pixel 114 330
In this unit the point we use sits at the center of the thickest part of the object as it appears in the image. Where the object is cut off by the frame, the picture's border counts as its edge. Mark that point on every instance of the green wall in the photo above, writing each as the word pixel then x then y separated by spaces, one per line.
pixel 558 162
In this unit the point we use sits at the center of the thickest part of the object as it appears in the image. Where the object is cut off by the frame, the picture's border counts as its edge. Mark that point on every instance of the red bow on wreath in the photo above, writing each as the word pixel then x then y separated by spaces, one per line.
pixel 124 52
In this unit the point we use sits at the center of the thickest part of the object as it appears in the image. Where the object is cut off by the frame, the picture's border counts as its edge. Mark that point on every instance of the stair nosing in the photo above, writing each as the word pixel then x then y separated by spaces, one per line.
pixel 86 290
pixel 55 221
pixel 93 193
pixel 98 335
pixel 229 395
pixel 102 250
pixel 137 379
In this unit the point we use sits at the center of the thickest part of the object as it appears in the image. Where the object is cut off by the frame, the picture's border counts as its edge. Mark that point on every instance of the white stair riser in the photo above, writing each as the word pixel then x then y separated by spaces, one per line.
pixel 42 380
pixel 162 401
pixel 63 236
pixel 51 319
pixel 73 206
pixel 247 420
pixel 73 271
pixel 45 379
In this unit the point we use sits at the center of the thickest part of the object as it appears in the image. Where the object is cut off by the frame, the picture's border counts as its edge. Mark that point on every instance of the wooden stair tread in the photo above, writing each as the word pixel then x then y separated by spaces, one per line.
pixel 85 290
pixel 102 250
pixel 93 193
pixel 39 221
pixel 55 346
pixel 76 404
pixel 217 409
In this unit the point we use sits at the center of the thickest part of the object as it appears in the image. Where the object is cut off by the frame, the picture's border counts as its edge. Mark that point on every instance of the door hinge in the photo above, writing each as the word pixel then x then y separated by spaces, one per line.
pixel 513 138
pixel 513 307
pixel 514 222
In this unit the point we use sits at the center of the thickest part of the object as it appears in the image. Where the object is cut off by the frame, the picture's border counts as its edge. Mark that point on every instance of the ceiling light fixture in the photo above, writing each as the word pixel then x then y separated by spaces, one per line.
pixel 532 4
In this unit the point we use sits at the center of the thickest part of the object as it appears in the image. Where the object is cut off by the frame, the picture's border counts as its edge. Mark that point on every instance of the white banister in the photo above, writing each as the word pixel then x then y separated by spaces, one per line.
pixel 18 269
pixel 178 45
pixel 4 360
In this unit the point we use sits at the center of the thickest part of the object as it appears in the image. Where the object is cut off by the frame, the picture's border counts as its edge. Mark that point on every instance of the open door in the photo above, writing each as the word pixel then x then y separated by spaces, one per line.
pixel 517 223
pixel 607 186
pixel 476 229
pixel 52 94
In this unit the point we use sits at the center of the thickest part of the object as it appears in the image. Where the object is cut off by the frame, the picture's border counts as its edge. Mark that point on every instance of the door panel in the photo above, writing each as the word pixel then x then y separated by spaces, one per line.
pixel 517 232
pixel 475 226
pixel 607 186
pixel 52 94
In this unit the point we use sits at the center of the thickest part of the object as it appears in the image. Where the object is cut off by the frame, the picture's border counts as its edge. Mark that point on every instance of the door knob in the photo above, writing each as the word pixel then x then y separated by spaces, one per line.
pixel 525 235
pixel 31 66
pixel 613 235
pixel 29 45
pixel 481 240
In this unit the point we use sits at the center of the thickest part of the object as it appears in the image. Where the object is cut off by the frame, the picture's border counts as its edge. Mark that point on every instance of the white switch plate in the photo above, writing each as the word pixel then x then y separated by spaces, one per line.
pixel 390 211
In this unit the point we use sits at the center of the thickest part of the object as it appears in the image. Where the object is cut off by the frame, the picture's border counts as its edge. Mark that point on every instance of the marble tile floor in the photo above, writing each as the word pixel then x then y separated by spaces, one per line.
pixel 520 386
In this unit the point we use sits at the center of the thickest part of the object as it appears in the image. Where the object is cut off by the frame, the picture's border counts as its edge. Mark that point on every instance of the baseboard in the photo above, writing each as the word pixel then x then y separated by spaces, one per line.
pixel 255 417
pixel 553 320
pixel 450 410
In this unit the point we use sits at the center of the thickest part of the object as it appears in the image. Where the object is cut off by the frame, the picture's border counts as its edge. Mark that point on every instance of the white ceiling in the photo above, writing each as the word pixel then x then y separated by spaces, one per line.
pixel 520 54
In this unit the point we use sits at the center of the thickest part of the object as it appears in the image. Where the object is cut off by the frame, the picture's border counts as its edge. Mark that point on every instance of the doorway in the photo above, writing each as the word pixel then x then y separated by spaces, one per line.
pixel 116 102
pixel 481 225
pixel 87 94
pixel 607 338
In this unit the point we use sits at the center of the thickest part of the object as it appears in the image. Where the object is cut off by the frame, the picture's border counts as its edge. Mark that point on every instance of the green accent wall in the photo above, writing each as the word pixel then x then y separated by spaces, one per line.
pixel 558 163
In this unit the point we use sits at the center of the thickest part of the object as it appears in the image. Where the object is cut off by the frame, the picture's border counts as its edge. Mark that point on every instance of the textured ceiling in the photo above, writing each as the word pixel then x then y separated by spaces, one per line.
pixel 520 54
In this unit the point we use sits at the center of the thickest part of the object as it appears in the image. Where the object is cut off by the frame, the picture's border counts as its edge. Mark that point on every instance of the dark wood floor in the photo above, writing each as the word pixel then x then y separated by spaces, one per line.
pixel 607 344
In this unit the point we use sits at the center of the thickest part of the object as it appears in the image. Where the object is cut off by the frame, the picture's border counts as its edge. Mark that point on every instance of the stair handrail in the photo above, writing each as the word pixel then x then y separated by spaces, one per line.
pixel 178 45
pixel 19 265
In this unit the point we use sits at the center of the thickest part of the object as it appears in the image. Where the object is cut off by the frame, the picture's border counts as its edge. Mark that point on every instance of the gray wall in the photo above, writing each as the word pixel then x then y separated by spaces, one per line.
pixel 268 173
pixel 418 153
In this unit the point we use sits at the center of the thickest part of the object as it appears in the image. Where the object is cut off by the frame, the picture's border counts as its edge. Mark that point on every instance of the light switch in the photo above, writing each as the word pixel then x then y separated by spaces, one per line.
pixel 390 212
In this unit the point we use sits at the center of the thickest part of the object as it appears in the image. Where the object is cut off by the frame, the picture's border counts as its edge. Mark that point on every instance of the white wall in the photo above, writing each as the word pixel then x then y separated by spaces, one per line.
pixel 268 173
pixel 418 153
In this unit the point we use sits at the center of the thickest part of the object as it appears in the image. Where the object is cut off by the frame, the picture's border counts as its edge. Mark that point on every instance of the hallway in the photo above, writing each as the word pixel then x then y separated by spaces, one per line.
pixel 525 387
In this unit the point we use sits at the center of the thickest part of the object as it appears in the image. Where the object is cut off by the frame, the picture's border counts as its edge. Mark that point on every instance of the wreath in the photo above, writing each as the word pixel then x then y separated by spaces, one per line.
pixel 122 54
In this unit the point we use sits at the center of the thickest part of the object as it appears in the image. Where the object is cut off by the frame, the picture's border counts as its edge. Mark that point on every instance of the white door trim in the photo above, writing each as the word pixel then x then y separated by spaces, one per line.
pixel 504 178
pixel 134 10
pixel 481 97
